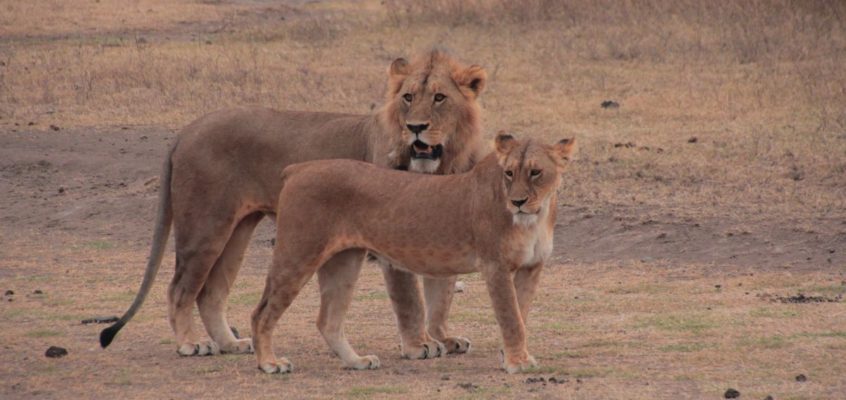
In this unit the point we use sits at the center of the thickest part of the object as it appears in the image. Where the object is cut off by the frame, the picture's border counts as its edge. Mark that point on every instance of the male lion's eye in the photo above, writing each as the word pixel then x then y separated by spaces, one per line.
pixel 439 98
pixel 408 97
pixel 509 174
pixel 535 173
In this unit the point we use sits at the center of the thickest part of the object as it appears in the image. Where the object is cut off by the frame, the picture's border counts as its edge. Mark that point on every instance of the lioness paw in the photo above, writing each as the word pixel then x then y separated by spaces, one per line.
pixel 515 365
pixel 366 362
pixel 205 348
pixel 457 345
pixel 240 346
pixel 281 366
pixel 425 351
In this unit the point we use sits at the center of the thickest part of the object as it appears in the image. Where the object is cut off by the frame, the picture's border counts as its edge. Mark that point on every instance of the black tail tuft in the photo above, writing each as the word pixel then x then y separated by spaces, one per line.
pixel 108 334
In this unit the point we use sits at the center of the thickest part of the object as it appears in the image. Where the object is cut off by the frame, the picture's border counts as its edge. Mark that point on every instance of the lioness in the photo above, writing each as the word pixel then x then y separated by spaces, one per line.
pixel 221 178
pixel 497 219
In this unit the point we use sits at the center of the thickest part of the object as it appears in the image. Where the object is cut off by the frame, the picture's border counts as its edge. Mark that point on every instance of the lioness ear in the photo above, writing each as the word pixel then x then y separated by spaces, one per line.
pixel 471 80
pixel 504 143
pixel 398 67
pixel 563 150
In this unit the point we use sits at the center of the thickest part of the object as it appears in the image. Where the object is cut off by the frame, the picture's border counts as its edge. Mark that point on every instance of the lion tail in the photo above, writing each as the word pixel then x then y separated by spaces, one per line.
pixel 164 219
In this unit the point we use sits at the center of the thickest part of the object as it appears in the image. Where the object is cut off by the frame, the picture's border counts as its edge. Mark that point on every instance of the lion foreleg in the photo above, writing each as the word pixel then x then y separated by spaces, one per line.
pixel 526 283
pixel 337 280
pixel 500 284
pixel 438 293
pixel 410 312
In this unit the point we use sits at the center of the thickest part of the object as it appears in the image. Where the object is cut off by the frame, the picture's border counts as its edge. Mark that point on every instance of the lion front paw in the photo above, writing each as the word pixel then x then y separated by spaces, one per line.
pixel 457 345
pixel 281 366
pixel 366 362
pixel 204 348
pixel 240 346
pixel 426 350
pixel 513 365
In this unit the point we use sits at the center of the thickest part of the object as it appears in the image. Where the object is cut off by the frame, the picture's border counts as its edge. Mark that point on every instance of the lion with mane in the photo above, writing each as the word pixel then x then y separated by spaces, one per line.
pixel 221 177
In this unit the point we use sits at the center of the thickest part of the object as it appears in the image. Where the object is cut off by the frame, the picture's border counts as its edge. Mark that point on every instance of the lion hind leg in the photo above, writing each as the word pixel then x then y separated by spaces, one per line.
pixel 212 299
pixel 198 249
pixel 438 293
pixel 337 278
pixel 286 278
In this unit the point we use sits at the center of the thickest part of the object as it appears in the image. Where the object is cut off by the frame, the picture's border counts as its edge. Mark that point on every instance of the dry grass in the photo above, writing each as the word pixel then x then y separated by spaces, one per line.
pixel 759 84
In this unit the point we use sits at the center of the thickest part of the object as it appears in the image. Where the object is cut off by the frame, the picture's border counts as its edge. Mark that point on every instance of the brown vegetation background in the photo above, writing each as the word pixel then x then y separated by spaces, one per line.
pixel 714 190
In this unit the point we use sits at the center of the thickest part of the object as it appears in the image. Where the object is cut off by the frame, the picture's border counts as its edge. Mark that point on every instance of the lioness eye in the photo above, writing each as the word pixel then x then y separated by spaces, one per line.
pixel 535 173
pixel 509 174
pixel 439 98
pixel 408 97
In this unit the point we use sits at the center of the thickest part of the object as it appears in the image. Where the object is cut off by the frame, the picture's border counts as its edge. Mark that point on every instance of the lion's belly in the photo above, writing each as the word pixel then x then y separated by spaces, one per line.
pixel 434 263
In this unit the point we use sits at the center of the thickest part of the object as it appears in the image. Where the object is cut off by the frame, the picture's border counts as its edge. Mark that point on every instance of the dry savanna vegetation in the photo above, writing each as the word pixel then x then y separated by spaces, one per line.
pixel 701 240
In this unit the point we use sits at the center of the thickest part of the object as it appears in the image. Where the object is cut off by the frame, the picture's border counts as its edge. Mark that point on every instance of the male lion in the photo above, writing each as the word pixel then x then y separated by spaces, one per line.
pixel 222 177
pixel 497 219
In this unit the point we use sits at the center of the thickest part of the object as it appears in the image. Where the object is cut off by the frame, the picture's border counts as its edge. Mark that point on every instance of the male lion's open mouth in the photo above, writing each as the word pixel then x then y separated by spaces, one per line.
pixel 420 150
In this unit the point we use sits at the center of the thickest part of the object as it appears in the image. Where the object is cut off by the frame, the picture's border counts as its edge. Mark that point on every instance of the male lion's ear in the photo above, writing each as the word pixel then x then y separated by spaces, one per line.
pixel 398 68
pixel 471 80
pixel 504 143
pixel 397 73
pixel 564 149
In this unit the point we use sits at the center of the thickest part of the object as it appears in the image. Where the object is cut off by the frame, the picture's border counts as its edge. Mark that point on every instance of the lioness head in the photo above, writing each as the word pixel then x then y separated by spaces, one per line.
pixel 431 104
pixel 531 174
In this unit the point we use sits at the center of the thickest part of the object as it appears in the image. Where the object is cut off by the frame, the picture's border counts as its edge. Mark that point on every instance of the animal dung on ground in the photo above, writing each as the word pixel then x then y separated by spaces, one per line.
pixel 731 394
pixel 56 352
pixel 610 104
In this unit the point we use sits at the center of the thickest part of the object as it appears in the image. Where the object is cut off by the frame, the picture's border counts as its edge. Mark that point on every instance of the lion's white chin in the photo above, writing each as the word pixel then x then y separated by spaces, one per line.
pixel 525 219
pixel 423 165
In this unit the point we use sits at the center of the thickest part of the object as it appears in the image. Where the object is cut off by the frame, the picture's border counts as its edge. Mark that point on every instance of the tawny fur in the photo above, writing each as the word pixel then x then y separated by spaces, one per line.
pixel 224 177
pixel 497 219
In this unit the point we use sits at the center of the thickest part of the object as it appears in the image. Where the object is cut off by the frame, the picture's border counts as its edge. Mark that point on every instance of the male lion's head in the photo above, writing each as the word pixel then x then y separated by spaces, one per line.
pixel 431 106
pixel 531 174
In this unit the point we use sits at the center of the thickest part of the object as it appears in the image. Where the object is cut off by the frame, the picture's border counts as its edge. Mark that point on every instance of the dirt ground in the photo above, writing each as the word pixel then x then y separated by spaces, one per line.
pixel 700 243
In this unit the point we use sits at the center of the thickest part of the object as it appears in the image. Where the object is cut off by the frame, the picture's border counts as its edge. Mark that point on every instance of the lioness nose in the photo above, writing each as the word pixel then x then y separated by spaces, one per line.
pixel 417 128
pixel 518 203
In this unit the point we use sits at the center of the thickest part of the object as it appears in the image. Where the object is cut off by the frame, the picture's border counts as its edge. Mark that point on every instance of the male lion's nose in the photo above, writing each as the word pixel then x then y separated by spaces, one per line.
pixel 518 203
pixel 417 128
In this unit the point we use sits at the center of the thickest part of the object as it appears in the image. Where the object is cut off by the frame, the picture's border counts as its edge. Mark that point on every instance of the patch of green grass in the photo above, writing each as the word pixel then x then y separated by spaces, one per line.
pixel 829 334
pixel 43 333
pixel 125 296
pixel 825 289
pixel 166 341
pixel 246 299
pixel 541 369
pixel 562 327
pixel 684 347
pixel 99 245
pixel 478 317
pixel 372 295
pixel 692 323
pixel 568 354
pixel 765 342
pixel 590 372
pixel 369 391
pixel 208 369
pixel 646 288
pixel 772 312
